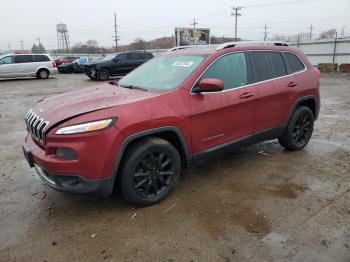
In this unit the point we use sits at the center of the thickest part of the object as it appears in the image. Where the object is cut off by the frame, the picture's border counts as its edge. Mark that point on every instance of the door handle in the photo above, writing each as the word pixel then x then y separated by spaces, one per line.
pixel 292 84
pixel 246 95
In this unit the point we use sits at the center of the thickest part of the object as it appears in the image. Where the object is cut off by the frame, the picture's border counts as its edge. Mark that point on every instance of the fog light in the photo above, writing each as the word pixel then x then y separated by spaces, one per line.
pixel 66 153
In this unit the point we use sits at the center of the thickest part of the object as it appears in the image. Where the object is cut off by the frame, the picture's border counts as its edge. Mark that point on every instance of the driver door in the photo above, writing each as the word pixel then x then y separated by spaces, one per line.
pixel 221 117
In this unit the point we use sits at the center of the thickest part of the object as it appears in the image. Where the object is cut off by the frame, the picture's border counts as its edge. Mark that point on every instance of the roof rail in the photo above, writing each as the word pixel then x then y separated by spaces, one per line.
pixel 191 46
pixel 233 44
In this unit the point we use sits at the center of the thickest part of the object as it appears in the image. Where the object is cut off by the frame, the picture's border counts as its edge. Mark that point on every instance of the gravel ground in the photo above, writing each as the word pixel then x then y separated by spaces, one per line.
pixel 260 203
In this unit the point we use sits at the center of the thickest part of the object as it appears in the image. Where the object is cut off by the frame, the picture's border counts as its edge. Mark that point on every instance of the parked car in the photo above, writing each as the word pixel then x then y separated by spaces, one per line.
pixel 116 65
pixel 76 66
pixel 66 60
pixel 177 109
pixel 24 65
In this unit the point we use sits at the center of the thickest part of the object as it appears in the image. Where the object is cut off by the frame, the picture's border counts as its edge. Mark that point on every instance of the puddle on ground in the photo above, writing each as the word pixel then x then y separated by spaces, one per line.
pixel 289 190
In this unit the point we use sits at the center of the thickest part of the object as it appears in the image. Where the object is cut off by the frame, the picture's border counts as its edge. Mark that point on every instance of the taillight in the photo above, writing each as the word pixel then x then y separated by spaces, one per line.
pixel 54 64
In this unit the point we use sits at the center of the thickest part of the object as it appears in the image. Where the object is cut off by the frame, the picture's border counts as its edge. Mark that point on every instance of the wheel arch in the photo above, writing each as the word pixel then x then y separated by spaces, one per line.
pixel 309 101
pixel 170 133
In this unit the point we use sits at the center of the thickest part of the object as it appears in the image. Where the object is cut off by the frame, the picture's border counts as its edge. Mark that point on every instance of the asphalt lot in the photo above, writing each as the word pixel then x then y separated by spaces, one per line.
pixel 257 204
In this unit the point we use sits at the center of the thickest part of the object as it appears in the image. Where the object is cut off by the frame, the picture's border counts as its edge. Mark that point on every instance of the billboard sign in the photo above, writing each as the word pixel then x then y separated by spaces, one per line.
pixel 192 36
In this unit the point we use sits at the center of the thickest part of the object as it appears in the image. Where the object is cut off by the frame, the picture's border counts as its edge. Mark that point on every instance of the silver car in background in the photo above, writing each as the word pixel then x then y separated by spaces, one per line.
pixel 27 65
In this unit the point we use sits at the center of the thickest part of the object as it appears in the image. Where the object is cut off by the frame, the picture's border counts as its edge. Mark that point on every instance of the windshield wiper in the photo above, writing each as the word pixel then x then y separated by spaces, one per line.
pixel 133 87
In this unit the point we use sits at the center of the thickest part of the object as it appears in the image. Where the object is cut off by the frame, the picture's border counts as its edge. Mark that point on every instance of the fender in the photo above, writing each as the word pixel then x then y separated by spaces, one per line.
pixel 145 133
pixel 301 99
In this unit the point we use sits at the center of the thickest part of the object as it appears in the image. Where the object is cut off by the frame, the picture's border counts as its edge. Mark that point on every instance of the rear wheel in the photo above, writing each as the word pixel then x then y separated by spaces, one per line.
pixel 299 129
pixel 43 74
pixel 103 74
pixel 151 170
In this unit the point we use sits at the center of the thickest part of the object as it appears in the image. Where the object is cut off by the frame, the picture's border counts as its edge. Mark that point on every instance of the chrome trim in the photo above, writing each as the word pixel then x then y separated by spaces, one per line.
pixel 233 44
pixel 41 173
pixel 36 126
pixel 256 83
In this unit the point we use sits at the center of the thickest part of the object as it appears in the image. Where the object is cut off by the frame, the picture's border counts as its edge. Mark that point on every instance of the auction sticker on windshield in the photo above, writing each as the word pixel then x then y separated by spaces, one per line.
pixel 183 63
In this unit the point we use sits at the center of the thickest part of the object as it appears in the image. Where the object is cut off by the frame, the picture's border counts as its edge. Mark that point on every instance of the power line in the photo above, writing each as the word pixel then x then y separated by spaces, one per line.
pixel 116 37
pixel 194 23
pixel 265 32
pixel 21 41
pixel 236 14
pixel 311 27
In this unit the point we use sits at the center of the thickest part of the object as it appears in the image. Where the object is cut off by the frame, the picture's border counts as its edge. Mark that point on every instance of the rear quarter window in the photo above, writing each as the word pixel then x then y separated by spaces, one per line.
pixel 41 58
pixel 293 63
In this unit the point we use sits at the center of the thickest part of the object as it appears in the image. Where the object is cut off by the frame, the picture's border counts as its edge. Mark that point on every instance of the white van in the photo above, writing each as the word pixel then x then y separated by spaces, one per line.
pixel 33 65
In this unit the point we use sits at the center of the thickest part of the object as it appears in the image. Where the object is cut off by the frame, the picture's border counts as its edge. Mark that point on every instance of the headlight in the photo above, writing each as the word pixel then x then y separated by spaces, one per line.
pixel 86 127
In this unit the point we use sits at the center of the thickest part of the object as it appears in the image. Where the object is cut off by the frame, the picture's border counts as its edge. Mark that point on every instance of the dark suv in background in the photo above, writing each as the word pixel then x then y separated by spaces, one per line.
pixel 116 65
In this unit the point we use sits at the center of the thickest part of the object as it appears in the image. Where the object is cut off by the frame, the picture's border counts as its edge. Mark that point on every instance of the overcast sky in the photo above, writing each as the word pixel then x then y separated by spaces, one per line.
pixel 87 19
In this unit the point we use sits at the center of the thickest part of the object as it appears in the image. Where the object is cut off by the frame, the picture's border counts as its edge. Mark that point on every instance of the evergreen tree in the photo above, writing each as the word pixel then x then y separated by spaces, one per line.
pixel 34 49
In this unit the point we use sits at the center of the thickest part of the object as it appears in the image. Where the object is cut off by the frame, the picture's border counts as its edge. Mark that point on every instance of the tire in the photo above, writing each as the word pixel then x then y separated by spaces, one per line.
pixel 43 74
pixel 151 170
pixel 299 129
pixel 103 74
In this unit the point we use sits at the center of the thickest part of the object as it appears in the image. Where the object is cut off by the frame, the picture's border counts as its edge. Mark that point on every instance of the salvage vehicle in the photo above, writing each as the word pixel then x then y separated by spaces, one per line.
pixel 66 60
pixel 76 66
pixel 188 105
pixel 116 65
pixel 27 65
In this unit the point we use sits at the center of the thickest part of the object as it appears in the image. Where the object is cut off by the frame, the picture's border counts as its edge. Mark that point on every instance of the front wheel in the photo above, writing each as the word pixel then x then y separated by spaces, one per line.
pixel 299 129
pixel 103 74
pixel 151 170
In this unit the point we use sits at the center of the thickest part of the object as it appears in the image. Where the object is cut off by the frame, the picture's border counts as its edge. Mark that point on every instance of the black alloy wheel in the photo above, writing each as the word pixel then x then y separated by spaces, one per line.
pixel 150 171
pixel 153 175
pixel 299 130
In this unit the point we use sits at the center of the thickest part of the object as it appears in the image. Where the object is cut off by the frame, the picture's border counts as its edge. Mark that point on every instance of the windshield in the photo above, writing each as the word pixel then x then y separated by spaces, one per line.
pixel 108 58
pixel 163 73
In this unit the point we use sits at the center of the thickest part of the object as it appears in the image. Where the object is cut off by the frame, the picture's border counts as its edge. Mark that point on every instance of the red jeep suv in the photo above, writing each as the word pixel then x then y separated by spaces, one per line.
pixel 187 105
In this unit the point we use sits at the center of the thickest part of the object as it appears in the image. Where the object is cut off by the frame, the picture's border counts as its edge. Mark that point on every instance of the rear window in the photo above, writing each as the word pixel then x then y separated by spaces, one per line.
pixel 267 65
pixel 23 59
pixel 293 63
pixel 41 58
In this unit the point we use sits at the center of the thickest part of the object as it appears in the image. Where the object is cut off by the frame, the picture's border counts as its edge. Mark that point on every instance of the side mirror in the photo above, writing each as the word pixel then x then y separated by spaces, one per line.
pixel 209 85
pixel 115 60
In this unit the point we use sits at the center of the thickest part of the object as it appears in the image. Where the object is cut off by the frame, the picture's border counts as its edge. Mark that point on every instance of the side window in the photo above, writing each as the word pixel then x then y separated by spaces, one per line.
pixel 121 57
pixel 232 69
pixel 267 65
pixel 7 60
pixel 134 56
pixel 146 55
pixel 41 58
pixel 23 59
pixel 293 63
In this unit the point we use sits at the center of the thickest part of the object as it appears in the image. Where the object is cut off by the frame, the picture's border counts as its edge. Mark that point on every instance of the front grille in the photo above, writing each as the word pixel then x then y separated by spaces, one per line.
pixel 36 126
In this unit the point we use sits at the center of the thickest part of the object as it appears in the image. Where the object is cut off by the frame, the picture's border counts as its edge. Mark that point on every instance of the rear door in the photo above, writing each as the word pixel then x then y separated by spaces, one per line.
pixel 25 65
pixel 7 66
pixel 273 94
pixel 134 60
pixel 221 117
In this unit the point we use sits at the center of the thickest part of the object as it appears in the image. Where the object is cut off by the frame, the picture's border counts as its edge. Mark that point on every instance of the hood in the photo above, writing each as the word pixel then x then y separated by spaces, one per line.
pixel 59 108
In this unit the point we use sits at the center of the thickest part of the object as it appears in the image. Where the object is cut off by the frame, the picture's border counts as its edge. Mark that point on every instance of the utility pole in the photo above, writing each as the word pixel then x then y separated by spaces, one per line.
pixel 265 32
pixel 343 31
pixel 21 41
pixel 38 40
pixel 311 27
pixel 116 37
pixel 194 23
pixel 9 46
pixel 236 14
